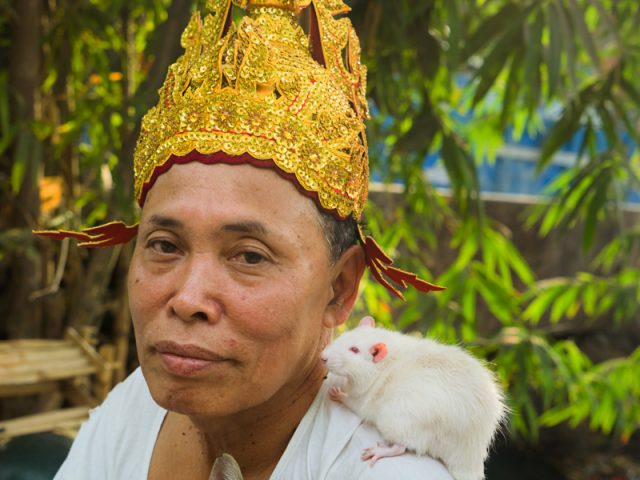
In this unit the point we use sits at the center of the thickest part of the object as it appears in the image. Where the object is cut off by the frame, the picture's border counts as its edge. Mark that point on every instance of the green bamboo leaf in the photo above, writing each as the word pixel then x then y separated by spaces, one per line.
pixel 552 218
pixel 547 375
pixel 589 298
pixel 564 374
pixel 630 90
pixel 469 303
pixel 518 263
pixel 603 417
pixel 555 48
pixel 564 129
pixel 556 416
pixel 623 114
pixel 18 170
pixel 511 89
pixel 533 57
pixel 561 132
pixel 565 209
pixel 509 16
pixel 581 411
pixel 606 302
pixel 608 125
pixel 577 17
pixel 21 158
pixel 563 303
pixel 508 45
pixel 505 271
pixel 466 254
pixel 489 256
pixel 568 42
pixel 499 302
pixel 577 196
pixel 455 32
pixel 532 416
pixel 618 248
pixel 541 303
pixel 575 358
pixel 587 140
pixel 595 206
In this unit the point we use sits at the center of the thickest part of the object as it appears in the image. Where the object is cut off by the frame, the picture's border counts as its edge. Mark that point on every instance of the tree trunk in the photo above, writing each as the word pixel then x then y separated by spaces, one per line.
pixel 24 317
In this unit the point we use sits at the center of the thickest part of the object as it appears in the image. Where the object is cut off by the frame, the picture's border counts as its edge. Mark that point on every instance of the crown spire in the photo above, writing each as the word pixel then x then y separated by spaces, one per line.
pixel 291 5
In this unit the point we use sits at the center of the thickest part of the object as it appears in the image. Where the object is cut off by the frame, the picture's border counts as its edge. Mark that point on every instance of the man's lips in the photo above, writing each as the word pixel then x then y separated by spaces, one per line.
pixel 187 350
pixel 186 359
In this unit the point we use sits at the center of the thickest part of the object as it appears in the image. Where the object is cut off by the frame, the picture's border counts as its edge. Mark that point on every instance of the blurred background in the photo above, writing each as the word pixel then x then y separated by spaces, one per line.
pixel 504 165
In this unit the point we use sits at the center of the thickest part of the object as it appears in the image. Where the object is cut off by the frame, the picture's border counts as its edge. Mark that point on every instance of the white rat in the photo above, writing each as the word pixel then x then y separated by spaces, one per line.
pixel 421 395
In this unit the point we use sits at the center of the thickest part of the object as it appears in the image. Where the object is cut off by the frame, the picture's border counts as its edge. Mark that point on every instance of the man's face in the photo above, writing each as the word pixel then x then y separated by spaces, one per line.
pixel 229 287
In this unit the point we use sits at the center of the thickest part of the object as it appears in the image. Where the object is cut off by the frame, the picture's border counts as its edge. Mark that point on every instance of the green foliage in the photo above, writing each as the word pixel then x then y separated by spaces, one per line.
pixel 516 57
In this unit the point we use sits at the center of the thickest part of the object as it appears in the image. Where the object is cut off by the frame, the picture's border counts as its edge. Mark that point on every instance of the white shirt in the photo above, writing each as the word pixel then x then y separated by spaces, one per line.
pixel 118 439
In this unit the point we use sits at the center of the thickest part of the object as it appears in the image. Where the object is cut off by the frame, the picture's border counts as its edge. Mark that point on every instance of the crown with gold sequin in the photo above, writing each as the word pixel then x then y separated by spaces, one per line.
pixel 268 93
pixel 260 88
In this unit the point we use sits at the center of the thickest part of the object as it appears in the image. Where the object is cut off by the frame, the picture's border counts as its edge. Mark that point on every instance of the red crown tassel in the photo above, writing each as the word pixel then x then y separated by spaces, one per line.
pixel 107 235
pixel 379 265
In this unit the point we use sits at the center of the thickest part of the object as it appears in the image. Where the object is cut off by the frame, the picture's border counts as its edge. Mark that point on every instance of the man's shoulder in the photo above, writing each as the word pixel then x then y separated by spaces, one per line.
pixel 124 426
pixel 328 445
pixel 128 402
pixel 410 465
pixel 358 437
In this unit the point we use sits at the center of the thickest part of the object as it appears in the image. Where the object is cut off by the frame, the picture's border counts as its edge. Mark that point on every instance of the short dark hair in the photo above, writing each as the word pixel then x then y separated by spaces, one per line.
pixel 340 234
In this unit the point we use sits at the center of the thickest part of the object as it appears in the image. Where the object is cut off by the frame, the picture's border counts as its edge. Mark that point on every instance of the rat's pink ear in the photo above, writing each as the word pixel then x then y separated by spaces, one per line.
pixel 367 321
pixel 379 351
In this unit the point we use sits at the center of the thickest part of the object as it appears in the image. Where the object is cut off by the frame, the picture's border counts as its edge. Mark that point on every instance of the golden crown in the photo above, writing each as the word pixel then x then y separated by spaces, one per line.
pixel 267 89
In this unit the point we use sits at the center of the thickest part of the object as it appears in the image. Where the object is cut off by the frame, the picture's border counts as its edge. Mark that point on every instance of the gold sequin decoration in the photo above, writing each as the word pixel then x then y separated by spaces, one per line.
pixel 257 89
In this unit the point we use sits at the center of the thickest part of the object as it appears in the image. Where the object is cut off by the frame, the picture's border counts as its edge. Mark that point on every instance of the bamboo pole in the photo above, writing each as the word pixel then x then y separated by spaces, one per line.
pixel 28 389
pixel 95 358
pixel 78 395
pixel 104 377
pixel 20 358
pixel 30 344
pixel 43 376
pixel 78 359
pixel 43 422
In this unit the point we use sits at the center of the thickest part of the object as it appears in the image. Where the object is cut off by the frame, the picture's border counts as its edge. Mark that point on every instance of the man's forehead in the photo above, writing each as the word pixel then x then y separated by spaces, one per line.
pixel 247 226
pixel 238 183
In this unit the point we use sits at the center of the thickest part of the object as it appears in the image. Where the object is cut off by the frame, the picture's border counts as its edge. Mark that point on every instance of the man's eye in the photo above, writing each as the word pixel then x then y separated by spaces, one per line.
pixel 252 258
pixel 163 246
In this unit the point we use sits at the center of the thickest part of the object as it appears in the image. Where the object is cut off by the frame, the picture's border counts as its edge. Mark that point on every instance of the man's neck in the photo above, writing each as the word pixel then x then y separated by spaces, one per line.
pixel 257 438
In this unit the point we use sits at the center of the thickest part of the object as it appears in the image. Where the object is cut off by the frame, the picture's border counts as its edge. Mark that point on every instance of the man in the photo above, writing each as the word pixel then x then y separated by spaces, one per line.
pixel 252 174
pixel 233 296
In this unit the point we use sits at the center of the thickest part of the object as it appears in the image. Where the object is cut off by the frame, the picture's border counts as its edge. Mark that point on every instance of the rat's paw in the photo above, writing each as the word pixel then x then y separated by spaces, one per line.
pixel 381 451
pixel 336 393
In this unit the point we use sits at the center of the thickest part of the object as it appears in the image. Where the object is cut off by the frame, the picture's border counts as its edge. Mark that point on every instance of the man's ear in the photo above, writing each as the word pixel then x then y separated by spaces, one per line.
pixel 348 272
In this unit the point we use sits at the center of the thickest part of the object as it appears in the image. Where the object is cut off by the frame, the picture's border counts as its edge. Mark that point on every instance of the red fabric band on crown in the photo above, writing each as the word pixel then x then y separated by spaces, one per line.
pixel 221 157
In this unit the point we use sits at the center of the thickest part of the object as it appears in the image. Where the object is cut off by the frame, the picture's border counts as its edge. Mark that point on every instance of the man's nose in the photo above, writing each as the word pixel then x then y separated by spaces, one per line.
pixel 197 296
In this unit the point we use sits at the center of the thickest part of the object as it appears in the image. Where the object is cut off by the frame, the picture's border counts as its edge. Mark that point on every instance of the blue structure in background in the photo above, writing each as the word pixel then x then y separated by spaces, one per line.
pixel 514 169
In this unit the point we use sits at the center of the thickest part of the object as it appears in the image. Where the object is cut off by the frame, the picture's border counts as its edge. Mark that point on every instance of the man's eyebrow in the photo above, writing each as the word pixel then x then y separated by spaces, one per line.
pixel 246 227
pixel 161 221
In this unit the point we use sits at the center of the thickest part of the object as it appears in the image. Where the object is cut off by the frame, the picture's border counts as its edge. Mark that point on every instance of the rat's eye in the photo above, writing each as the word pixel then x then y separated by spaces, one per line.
pixel 355 349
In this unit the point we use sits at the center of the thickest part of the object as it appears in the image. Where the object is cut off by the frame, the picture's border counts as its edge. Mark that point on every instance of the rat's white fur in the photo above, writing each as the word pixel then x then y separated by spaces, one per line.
pixel 432 398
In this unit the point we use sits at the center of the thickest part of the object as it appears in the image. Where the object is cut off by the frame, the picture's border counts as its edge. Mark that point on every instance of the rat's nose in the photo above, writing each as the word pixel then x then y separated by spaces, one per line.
pixel 323 358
